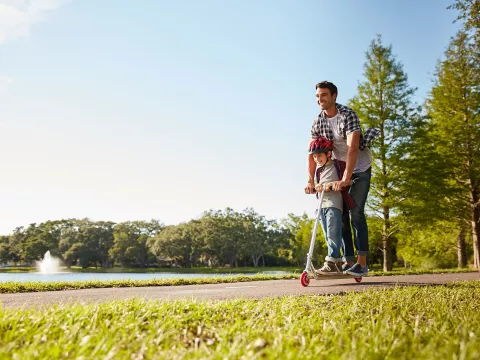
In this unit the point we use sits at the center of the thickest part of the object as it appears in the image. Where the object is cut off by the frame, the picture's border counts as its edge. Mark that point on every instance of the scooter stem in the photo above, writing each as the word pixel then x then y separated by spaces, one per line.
pixel 314 234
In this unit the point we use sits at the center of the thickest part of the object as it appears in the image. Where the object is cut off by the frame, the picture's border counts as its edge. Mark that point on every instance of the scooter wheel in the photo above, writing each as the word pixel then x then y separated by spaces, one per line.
pixel 358 279
pixel 304 280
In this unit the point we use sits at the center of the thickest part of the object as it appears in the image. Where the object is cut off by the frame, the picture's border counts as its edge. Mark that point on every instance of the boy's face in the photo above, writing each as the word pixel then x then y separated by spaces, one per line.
pixel 320 159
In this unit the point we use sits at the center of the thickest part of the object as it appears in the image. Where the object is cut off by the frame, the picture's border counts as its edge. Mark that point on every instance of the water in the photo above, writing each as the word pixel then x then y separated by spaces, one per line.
pixel 49 264
pixel 48 270
pixel 66 276
pixel 74 276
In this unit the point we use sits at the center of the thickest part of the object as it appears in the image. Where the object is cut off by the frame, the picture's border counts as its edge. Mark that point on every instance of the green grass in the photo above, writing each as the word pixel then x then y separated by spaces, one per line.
pixel 403 271
pixel 440 322
pixel 36 286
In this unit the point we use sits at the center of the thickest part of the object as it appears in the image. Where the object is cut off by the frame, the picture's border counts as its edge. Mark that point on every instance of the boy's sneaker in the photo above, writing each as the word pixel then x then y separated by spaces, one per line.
pixel 357 270
pixel 329 268
pixel 346 266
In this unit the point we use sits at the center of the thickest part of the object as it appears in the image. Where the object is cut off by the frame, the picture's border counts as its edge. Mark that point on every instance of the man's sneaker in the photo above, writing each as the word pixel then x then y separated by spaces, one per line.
pixel 357 270
pixel 365 271
pixel 329 268
pixel 346 266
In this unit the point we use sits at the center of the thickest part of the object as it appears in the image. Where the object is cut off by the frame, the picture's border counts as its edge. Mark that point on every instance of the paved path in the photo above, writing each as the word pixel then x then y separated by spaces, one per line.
pixel 254 289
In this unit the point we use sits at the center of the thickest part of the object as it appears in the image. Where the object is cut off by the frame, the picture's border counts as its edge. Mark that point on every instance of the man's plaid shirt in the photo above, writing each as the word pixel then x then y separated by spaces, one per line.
pixel 349 123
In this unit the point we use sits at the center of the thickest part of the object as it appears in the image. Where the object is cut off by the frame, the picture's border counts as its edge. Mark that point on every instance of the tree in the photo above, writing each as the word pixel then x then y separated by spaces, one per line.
pixel 212 237
pixel 86 242
pixel 429 188
pixel 233 239
pixel 70 245
pixel 469 11
pixel 34 241
pixel 223 235
pixel 384 101
pixel 454 108
pixel 301 228
pixel 425 247
pixel 279 240
pixel 132 241
pixel 7 251
pixel 181 242
pixel 98 239
pixel 255 232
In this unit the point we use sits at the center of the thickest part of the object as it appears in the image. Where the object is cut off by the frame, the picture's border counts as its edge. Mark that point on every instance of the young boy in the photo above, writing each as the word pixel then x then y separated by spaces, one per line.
pixel 329 171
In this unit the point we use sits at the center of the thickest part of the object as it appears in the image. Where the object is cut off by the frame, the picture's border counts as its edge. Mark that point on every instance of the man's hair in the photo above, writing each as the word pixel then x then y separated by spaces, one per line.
pixel 327 85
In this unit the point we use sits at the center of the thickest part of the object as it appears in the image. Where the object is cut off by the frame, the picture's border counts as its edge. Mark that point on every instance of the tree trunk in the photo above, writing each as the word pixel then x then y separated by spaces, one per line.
pixel 186 258
pixel 232 260
pixel 475 229
pixel 194 257
pixel 256 260
pixel 387 252
pixel 461 253
pixel 387 246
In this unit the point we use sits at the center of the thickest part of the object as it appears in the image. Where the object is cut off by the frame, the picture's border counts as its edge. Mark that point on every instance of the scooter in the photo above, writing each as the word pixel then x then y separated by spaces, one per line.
pixel 309 269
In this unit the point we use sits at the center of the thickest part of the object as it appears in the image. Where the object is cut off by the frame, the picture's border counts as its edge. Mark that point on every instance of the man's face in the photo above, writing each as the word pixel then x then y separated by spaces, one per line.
pixel 324 99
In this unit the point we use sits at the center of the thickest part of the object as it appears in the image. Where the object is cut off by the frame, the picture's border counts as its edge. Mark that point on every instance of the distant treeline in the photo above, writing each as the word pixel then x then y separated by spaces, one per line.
pixel 218 238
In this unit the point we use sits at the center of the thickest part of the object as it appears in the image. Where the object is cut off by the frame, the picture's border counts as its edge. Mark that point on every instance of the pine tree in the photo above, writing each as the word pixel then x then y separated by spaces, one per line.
pixel 429 189
pixel 469 12
pixel 454 108
pixel 384 101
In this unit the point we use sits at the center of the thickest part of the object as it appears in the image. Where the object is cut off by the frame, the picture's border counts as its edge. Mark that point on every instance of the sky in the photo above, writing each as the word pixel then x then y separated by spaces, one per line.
pixel 118 110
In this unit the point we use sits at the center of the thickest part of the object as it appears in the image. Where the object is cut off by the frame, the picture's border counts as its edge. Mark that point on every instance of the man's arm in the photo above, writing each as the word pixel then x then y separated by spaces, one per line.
pixel 311 165
pixel 353 131
pixel 353 142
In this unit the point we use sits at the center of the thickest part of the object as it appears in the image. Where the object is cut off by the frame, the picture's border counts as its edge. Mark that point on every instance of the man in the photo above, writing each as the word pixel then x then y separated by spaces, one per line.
pixel 341 125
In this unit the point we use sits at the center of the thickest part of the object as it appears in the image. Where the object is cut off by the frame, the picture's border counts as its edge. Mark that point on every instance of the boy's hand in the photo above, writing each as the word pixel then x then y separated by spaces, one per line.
pixel 319 188
pixel 310 189
pixel 328 187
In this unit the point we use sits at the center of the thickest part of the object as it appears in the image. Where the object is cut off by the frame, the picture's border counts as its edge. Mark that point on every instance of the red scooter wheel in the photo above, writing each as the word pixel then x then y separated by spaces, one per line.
pixel 304 280
pixel 358 279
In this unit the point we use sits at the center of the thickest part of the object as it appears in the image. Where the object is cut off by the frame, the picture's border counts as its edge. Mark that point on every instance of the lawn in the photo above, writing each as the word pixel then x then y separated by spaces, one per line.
pixel 430 322
pixel 36 286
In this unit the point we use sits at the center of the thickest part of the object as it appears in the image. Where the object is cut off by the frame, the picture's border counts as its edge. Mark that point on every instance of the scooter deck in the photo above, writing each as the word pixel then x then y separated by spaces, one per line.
pixel 335 277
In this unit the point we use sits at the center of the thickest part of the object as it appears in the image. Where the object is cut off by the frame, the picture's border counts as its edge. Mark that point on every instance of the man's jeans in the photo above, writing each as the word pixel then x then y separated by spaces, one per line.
pixel 331 219
pixel 359 193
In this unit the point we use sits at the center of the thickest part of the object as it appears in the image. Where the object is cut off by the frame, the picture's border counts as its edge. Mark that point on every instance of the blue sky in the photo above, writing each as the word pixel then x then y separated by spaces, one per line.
pixel 122 110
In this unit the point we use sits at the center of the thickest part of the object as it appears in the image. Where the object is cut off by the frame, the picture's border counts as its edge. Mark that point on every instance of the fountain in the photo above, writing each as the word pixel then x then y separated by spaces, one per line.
pixel 49 264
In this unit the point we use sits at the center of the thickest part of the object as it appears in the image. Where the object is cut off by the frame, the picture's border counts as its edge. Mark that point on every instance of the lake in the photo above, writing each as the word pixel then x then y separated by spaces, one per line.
pixel 67 276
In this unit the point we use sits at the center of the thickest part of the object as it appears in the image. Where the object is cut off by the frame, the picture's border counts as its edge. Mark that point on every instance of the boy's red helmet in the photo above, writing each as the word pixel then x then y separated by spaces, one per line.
pixel 320 145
